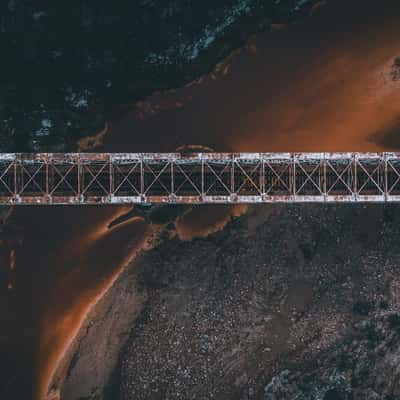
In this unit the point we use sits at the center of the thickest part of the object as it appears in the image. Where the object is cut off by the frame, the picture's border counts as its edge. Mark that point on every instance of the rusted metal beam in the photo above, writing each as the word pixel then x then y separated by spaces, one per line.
pixel 121 178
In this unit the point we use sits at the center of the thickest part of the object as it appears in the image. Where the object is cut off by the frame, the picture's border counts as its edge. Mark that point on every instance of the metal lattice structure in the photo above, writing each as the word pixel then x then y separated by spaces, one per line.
pixel 93 178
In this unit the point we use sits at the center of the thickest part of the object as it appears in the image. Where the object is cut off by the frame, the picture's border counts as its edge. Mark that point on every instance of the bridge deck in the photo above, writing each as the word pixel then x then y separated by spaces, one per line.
pixel 93 178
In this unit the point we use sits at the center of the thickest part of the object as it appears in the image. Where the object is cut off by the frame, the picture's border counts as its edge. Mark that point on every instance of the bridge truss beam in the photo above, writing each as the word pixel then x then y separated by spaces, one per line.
pixel 115 178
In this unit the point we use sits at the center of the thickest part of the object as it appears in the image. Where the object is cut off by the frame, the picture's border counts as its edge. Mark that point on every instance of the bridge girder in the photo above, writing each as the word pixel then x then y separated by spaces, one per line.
pixel 120 178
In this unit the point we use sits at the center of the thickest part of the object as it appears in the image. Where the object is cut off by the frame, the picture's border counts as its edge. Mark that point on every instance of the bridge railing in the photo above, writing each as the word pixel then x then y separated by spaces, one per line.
pixel 93 178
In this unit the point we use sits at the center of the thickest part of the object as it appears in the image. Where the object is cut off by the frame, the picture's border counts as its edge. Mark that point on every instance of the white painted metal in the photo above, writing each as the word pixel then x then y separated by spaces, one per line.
pixel 195 178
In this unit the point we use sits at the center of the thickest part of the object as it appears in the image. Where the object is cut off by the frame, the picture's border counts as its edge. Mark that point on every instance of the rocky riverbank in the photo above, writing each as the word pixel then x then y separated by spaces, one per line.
pixel 284 303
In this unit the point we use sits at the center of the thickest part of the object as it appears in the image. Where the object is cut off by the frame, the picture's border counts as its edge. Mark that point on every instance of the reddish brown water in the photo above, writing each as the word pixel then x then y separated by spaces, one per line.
pixel 68 256
pixel 321 84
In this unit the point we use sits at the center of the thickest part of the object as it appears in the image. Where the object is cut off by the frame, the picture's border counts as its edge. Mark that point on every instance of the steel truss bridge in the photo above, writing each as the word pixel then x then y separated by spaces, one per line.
pixel 101 178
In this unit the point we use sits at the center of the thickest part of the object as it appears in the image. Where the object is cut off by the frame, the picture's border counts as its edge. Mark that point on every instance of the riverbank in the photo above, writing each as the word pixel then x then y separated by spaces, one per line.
pixel 87 360
pixel 294 302
pixel 113 332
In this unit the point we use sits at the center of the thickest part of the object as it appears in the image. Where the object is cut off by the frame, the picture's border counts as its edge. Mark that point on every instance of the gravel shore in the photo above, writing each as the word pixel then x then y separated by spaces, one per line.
pixel 295 302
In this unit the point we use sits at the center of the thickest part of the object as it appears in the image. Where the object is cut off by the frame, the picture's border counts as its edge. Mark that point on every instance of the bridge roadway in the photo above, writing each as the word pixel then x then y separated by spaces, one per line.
pixel 101 178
